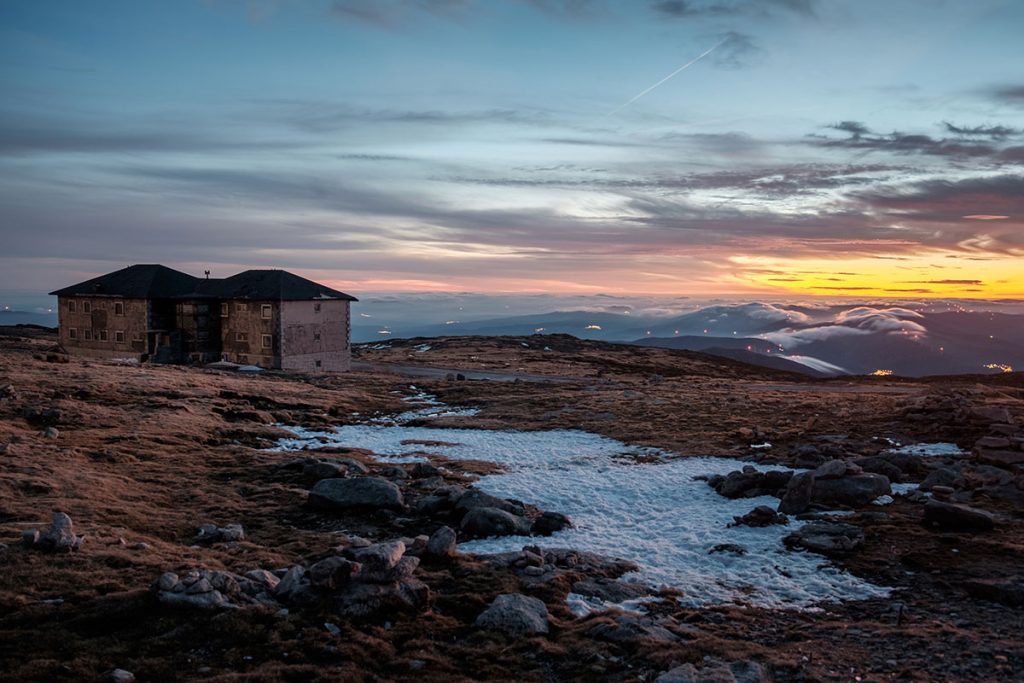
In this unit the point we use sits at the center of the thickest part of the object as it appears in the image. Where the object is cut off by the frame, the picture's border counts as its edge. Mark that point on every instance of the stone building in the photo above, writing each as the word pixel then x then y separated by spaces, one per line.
pixel 269 318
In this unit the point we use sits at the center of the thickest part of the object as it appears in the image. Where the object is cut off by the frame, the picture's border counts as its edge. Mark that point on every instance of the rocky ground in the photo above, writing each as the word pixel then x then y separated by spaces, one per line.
pixel 149 534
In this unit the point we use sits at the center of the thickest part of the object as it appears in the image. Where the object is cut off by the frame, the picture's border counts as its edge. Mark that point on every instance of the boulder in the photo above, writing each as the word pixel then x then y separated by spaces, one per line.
pixel 442 543
pixel 357 493
pixel 483 522
pixel 853 490
pixel 515 614
pixel 797 496
pixel 550 522
pixel 833 469
pixel 826 537
pixel 121 676
pixel 211 533
pixel 953 517
pixel 750 483
pixel 760 516
pixel 942 476
pixel 475 498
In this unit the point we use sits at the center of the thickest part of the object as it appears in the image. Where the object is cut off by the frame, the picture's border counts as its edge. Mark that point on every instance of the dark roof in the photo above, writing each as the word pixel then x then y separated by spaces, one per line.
pixel 144 281
pixel 269 284
pixel 153 281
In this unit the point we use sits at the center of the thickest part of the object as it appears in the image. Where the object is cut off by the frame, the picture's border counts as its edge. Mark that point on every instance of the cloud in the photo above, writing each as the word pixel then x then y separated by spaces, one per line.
pixel 735 50
pixel 965 145
pixel 1009 94
pixel 994 132
pixel 391 12
pixel 681 9
pixel 892 320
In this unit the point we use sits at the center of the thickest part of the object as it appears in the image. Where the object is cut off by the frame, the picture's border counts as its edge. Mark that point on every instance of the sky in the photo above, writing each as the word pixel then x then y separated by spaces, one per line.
pixel 663 147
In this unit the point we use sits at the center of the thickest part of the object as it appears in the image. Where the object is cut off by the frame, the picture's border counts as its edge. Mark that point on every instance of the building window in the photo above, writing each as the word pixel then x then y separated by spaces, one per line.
pixel 86 307
pixel 316 336
pixel 119 336
pixel 71 306
pixel 316 308
pixel 72 333
pixel 103 335
pixel 266 311
pixel 318 363
pixel 118 308
pixel 241 307
pixel 242 336
pixel 268 341
pixel 223 310
pixel 87 335
pixel 186 309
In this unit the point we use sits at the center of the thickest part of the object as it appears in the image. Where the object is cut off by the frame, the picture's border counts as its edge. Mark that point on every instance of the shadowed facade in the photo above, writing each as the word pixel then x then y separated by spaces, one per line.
pixel 269 318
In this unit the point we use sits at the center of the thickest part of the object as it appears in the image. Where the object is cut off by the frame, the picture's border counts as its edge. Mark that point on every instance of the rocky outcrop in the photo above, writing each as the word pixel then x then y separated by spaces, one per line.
pixel 357 493
pixel 549 523
pixel 515 614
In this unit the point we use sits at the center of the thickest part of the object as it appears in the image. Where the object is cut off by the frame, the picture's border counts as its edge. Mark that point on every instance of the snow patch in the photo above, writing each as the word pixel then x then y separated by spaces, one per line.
pixel 654 513
pixel 929 449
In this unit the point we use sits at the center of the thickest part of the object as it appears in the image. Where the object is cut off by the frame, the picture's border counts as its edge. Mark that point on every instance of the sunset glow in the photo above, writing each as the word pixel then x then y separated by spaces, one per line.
pixel 721 149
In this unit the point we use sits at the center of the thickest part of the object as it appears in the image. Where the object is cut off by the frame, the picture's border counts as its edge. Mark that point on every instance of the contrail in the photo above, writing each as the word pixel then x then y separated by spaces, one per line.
pixel 690 63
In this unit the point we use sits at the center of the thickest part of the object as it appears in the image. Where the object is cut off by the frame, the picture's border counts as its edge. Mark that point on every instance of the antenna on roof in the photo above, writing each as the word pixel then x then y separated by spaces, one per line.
pixel 207 274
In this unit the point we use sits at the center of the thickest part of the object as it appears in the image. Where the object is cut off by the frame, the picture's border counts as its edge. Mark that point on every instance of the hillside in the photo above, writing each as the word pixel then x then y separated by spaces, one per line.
pixel 140 457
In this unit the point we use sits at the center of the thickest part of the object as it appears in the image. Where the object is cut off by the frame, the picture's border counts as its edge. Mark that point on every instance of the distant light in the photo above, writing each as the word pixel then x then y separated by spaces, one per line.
pixel 538 330
pixel 592 327
pixel 383 331
pixel 647 332
pixel 1002 367
pixel 705 331
pixel 881 373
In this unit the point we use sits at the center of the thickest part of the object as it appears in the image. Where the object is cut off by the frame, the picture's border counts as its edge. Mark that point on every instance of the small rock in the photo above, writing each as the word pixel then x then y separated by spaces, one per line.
pixel 51 433
pixel 515 614
pixel 29 537
pixel 121 676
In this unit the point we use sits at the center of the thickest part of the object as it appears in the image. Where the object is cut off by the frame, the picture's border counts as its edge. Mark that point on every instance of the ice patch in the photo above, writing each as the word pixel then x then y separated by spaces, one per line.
pixel 654 513
pixel 423 348
pixel 929 449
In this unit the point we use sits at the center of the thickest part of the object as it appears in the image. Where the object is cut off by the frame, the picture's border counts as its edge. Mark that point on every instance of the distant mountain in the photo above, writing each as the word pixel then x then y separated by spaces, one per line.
pixel 10 318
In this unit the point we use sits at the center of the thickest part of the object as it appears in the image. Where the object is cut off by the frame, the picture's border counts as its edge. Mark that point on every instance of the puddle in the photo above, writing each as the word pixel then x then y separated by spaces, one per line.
pixel 929 449
pixel 651 513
